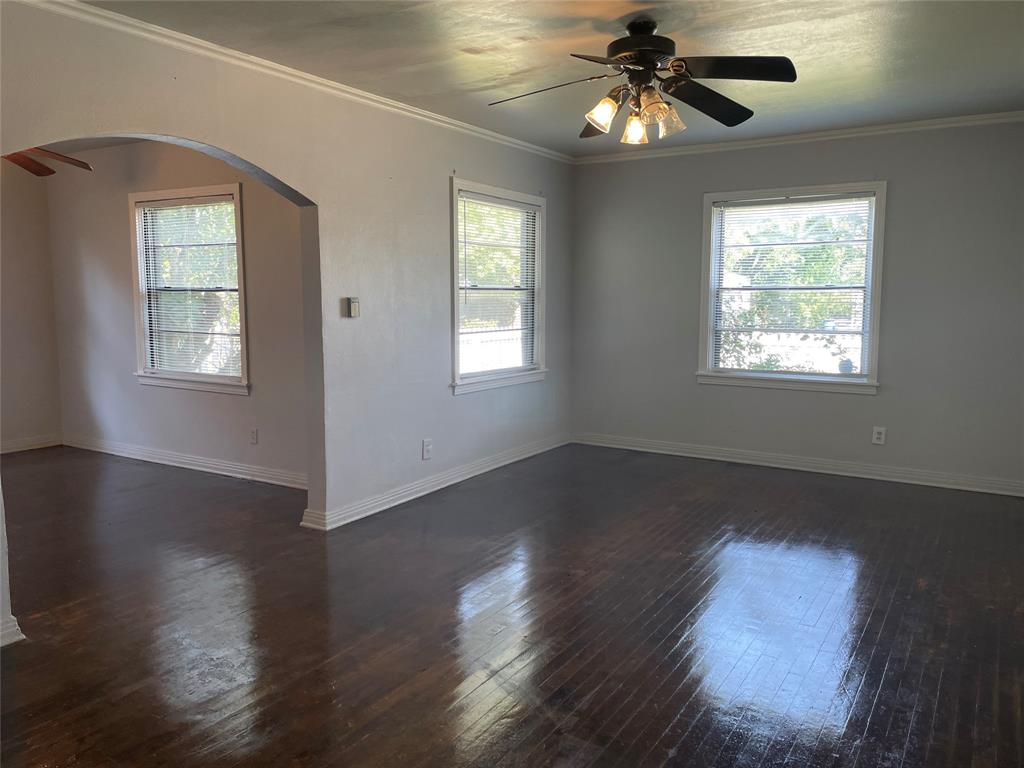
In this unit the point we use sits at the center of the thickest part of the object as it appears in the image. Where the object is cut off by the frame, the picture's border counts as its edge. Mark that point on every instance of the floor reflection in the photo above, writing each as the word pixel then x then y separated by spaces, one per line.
pixel 778 637
pixel 495 651
pixel 203 638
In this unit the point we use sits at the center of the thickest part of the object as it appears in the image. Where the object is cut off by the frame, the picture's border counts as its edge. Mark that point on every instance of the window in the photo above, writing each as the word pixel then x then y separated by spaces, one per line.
pixel 190 300
pixel 791 291
pixel 497 318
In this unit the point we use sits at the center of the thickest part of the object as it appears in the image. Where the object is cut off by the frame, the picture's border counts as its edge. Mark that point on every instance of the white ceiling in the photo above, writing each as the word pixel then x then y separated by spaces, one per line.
pixel 858 63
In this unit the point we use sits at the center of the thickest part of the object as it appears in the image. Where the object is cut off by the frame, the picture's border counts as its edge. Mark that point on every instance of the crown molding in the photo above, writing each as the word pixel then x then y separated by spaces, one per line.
pixel 964 121
pixel 115 21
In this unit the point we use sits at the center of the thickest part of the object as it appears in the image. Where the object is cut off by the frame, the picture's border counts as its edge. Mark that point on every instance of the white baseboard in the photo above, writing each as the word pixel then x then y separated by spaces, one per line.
pixel 10 632
pixel 29 443
pixel 216 466
pixel 352 512
pixel 1004 486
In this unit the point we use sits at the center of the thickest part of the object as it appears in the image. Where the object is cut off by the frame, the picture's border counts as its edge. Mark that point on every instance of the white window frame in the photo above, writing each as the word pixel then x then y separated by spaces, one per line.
pixel 234 385
pixel 863 385
pixel 475 382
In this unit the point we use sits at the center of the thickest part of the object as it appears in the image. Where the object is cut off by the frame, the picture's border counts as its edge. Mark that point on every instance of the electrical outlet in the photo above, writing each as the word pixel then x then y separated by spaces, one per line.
pixel 878 435
pixel 428 449
pixel 254 437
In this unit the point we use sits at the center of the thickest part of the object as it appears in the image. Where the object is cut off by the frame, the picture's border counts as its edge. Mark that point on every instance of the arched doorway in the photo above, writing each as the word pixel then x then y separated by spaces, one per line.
pixel 310 359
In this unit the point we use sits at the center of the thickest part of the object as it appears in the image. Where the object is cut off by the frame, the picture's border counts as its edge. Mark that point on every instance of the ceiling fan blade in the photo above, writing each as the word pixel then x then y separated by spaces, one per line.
pixel 606 61
pixel 62 158
pixel 560 85
pixel 776 68
pixel 711 103
pixel 30 165
pixel 590 131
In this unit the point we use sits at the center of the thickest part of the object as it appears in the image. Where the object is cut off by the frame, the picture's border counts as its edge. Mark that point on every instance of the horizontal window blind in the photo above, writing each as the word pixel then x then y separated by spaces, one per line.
pixel 497 262
pixel 790 285
pixel 188 270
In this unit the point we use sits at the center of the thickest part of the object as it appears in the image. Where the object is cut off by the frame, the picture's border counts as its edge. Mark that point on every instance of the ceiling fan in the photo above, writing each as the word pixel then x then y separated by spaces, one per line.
pixel 645 58
pixel 30 164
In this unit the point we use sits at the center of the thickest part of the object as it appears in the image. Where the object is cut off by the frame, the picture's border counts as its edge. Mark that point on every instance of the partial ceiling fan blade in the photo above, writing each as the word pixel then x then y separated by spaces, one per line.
pixel 590 131
pixel 560 85
pixel 606 61
pixel 776 68
pixel 711 103
pixel 30 165
pixel 58 156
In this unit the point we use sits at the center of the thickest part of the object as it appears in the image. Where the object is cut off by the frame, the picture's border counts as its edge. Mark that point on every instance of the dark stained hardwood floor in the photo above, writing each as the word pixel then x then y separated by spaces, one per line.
pixel 586 607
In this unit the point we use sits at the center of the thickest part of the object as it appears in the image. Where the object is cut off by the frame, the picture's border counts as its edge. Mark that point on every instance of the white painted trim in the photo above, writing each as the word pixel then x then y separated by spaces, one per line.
pixel 476 382
pixel 30 443
pixel 802 383
pixel 360 509
pixel 706 374
pixel 196 383
pixel 10 632
pixel 1004 486
pixel 494 380
pixel 963 121
pixel 162 36
pixel 187 461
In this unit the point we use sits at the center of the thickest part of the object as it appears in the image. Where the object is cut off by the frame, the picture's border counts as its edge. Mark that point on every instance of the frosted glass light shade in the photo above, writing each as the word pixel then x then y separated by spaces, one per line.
pixel 652 107
pixel 670 124
pixel 636 131
pixel 601 116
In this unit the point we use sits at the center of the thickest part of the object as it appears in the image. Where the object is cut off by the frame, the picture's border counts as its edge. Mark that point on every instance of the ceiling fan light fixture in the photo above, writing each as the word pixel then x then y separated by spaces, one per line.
pixel 636 131
pixel 603 113
pixel 653 108
pixel 670 124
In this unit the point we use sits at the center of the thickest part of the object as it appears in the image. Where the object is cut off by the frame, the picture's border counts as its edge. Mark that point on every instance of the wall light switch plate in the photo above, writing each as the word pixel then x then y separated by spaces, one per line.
pixel 350 306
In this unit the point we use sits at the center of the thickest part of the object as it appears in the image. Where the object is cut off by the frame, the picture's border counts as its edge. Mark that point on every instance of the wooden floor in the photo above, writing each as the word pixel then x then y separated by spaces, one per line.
pixel 584 607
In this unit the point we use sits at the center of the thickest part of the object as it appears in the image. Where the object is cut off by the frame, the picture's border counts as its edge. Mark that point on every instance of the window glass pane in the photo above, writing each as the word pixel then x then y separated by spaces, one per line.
pixel 491 351
pixel 807 264
pixel 197 353
pixel 812 353
pixel 798 221
pixel 188 256
pixel 497 251
pixel 798 310
pixel 487 265
pixel 201 266
pixel 195 311
pixel 790 290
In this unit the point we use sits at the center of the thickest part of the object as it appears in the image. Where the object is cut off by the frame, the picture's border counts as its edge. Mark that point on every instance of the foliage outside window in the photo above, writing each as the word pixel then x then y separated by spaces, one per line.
pixel 497 275
pixel 190 297
pixel 792 286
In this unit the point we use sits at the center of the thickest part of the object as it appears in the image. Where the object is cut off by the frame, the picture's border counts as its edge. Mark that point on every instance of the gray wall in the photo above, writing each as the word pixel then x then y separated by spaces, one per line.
pixel 951 346
pixel 29 392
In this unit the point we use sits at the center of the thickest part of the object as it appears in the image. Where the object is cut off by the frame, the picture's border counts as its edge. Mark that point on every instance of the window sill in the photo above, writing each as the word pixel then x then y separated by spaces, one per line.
pixel 495 380
pixel 840 385
pixel 201 385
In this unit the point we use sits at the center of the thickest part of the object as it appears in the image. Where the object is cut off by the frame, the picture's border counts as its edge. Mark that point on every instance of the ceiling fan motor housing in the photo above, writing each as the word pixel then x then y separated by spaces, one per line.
pixel 642 46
